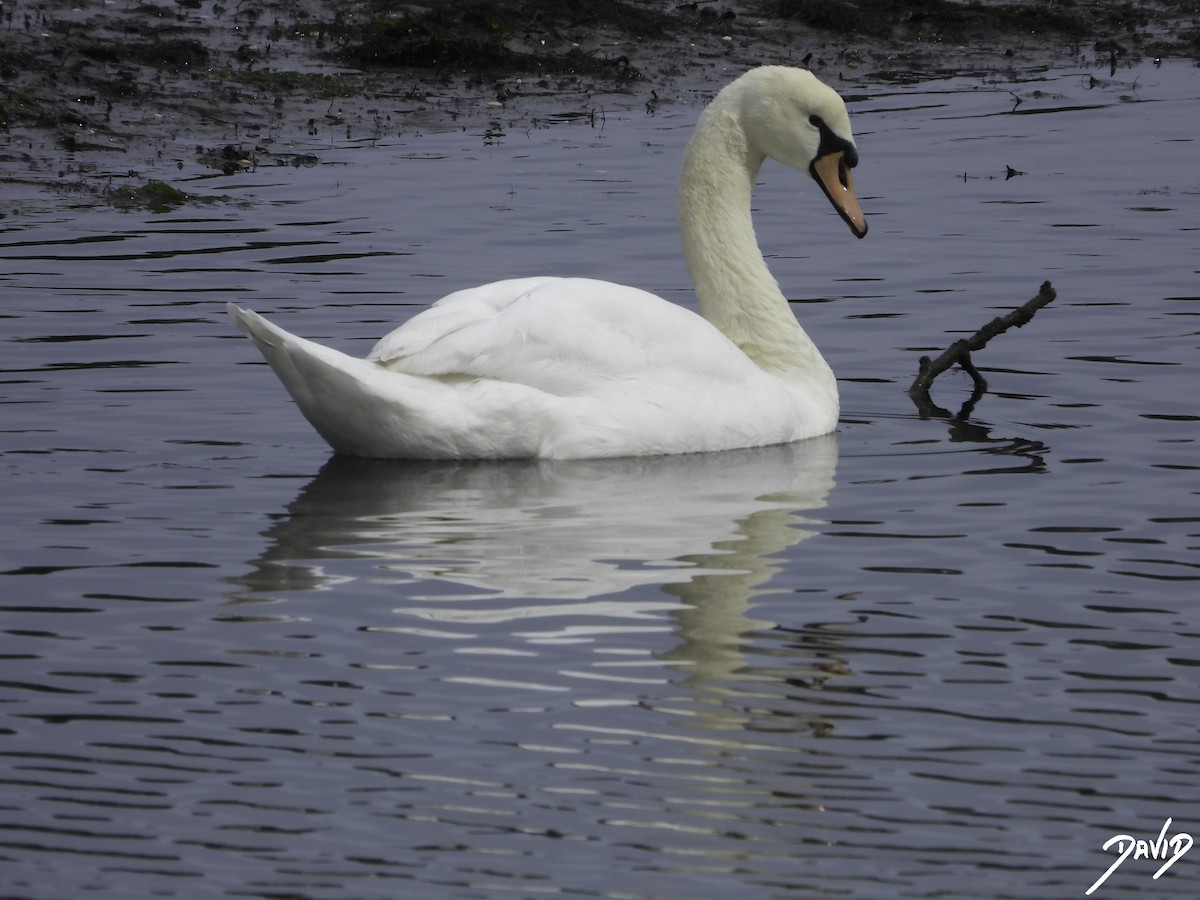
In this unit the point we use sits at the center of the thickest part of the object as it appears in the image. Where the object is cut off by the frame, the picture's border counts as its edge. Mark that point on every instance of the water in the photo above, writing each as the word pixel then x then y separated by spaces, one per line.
pixel 925 657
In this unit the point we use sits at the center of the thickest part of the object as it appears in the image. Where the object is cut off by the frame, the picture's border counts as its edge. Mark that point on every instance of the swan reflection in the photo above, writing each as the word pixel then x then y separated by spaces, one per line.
pixel 623 554
pixel 568 530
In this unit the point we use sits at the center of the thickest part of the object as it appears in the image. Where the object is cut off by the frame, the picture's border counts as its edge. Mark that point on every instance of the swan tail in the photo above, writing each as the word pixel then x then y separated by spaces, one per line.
pixel 344 398
pixel 306 369
pixel 271 340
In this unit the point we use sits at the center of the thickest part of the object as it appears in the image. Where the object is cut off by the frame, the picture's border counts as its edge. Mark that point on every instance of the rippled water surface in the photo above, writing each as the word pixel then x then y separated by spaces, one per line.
pixel 926 657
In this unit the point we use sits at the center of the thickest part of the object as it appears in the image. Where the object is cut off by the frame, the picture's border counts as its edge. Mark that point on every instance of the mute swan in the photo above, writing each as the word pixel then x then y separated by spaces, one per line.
pixel 573 367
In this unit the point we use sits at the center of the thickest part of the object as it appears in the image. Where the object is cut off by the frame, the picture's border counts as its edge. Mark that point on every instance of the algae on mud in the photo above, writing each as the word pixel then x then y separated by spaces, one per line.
pixel 96 96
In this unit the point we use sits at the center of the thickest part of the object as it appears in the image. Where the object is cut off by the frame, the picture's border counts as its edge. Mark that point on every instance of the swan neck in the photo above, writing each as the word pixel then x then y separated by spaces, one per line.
pixel 734 287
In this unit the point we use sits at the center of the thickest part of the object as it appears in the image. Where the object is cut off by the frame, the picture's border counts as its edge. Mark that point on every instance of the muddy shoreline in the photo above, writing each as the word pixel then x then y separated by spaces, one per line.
pixel 130 103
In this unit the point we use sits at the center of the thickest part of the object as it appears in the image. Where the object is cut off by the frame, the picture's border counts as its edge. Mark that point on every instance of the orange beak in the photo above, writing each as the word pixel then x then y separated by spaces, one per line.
pixel 832 173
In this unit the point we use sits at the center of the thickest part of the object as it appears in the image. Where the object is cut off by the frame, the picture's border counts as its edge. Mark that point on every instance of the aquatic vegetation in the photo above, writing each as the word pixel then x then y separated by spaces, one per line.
pixel 155 196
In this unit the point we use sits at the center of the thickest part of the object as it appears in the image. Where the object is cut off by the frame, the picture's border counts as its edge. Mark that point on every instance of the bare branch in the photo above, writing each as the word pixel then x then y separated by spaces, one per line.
pixel 960 351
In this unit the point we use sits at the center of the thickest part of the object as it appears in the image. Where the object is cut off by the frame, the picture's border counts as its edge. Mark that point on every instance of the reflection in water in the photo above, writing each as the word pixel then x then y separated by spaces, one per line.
pixel 1029 454
pixel 710 526
pixel 568 530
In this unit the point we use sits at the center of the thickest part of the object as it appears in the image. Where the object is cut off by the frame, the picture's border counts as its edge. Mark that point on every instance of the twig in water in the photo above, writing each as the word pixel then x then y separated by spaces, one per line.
pixel 960 351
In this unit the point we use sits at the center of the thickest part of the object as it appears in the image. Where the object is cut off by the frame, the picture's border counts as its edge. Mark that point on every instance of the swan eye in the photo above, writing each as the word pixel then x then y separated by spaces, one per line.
pixel 832 143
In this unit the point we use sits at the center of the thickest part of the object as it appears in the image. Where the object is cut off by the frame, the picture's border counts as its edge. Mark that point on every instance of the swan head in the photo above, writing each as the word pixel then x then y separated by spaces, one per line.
pixel 798 120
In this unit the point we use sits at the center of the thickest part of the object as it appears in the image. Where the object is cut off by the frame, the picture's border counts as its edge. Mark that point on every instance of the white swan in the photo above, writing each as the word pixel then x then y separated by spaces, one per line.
pixel 572 367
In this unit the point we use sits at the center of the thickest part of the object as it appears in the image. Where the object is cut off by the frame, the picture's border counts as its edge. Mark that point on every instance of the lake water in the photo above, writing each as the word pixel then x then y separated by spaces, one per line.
pixel 925 657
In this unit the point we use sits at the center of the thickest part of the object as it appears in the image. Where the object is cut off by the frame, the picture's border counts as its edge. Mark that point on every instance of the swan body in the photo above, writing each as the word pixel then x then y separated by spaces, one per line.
pixel 574 367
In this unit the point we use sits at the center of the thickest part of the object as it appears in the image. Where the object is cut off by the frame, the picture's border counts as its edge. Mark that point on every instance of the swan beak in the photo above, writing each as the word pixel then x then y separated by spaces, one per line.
pixel 833 174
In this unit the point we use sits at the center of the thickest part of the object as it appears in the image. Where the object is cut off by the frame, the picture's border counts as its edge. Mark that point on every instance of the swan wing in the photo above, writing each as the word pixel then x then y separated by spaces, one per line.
pixel 565 336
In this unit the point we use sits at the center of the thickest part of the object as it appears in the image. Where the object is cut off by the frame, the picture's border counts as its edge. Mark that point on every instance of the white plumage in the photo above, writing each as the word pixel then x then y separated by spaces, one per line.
pixel 575 367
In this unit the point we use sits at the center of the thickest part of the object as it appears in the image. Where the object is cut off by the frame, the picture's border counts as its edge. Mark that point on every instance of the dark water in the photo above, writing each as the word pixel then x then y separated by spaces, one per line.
pixel 923 658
